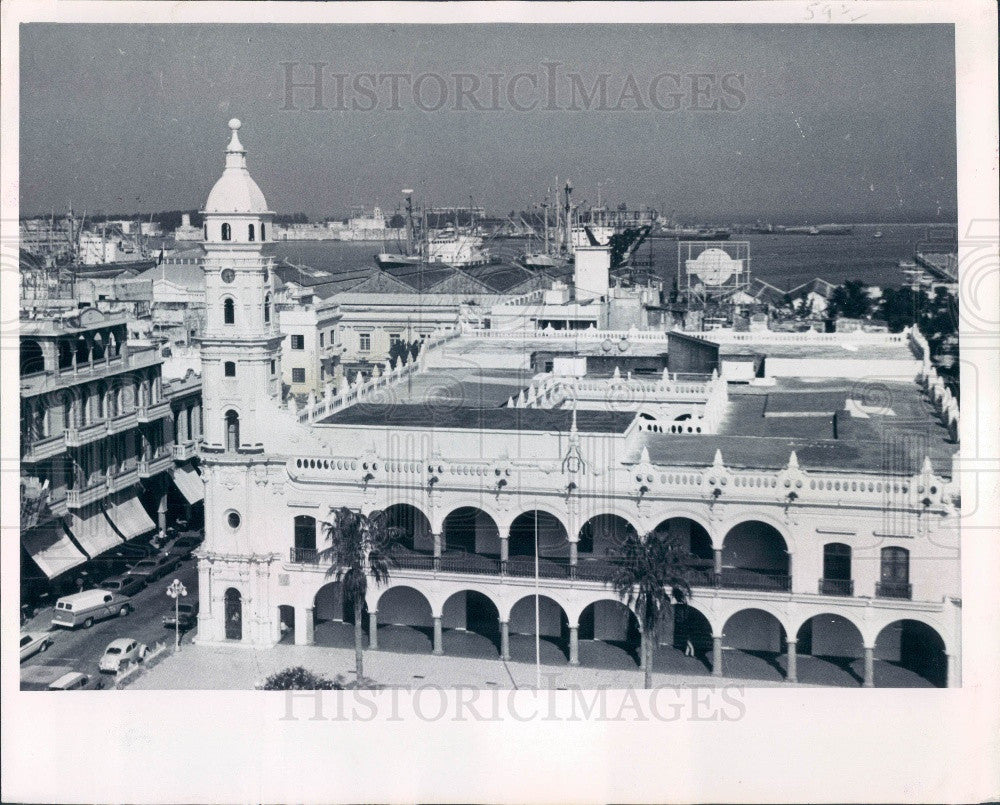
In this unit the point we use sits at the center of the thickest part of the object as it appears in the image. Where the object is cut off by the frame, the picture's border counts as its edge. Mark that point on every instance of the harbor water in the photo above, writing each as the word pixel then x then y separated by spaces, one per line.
pixel 780 259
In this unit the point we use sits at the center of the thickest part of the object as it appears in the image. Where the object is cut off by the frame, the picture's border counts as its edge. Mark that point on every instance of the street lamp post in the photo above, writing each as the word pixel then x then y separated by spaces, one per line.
pixel 175 591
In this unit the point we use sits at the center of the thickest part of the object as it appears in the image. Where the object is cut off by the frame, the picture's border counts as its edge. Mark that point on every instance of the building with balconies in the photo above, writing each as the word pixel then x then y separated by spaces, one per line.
pixel 97 437
pixel 816 497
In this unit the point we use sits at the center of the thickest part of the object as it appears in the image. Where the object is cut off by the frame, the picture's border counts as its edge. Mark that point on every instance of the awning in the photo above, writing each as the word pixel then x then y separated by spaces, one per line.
pixel 130 518
pixel 94 533
pixel 51 549
pixel 189 484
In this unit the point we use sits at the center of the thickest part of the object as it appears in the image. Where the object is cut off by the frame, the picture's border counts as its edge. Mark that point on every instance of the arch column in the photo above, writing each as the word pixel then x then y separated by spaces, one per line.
pixel 953 680
pixel 303 626
pixel 717 654
pixel 869 667
pixel 792 674
pixel 438 642
pixel 373 629
pixel 574 645
pixel 717 555
pixel 504 640
pixel 504 553
pixel 437 536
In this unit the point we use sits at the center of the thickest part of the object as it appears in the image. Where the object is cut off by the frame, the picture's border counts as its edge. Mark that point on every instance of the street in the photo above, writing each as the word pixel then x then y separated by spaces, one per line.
pixel 81 649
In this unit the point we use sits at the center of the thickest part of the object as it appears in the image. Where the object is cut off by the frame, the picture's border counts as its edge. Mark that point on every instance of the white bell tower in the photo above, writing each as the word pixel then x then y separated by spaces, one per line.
pixel 241 342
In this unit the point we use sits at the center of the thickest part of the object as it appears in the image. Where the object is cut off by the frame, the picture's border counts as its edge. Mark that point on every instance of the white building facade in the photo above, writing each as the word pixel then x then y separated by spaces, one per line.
pixel 795 555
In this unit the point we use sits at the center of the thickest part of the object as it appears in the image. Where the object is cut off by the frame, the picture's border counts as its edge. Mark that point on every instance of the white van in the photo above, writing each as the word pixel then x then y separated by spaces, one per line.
pixel 89 606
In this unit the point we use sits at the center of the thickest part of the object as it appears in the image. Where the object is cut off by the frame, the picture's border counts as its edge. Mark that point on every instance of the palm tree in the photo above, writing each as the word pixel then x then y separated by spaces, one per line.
pixel 649 573
pixel 360 546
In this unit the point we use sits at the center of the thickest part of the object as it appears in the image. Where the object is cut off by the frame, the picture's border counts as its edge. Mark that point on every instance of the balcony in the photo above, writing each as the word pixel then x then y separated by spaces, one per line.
pixel 836 586
pixel 734 578
pixel 96 490
pixel 893 589
pixel 78 437
pixel 159 462
pixel 185 450
pixel 41 449
pixel 122 423
pixel 123 479
pixel 150 413
pixel 304 556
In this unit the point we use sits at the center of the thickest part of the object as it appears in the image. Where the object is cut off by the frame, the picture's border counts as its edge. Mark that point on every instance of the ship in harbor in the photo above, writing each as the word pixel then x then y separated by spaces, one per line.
pixel 451 246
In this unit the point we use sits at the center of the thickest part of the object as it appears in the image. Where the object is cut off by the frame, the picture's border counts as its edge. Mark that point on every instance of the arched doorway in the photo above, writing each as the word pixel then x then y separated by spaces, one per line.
pixel 333 616
pixel 830 651
pixel 234 614
pixel 755 557
pixel 553 631
pixel 689 648
pixel 912 654
pixel 406 621
pixel 600 533
pixel 693 538
pixel 609 636
pixel 414 529
pixel 755 640
pixel 286 623
pixel 553 545
pixel 32 359
pixel 471 530
pixel 472 625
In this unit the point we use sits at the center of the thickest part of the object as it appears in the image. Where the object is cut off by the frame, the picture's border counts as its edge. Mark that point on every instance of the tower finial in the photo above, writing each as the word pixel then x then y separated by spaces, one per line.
pixel 235 146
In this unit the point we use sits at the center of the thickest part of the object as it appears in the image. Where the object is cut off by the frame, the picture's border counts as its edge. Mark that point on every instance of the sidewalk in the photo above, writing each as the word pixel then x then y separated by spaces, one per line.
pixel 242 668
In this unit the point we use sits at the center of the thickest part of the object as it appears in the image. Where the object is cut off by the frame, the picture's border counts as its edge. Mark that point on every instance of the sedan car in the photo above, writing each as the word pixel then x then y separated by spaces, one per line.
pixel 124 584
pixel 182 547
pixel 149 570
pixel 121 651
pixel 76 681
pixel 33 643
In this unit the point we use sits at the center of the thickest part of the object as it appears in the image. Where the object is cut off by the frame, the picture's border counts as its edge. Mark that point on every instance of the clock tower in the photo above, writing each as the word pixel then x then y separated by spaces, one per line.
pixel 241 343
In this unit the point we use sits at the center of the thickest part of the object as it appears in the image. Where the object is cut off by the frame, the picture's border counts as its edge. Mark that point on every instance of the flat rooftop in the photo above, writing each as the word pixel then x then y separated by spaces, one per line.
pixel 439 416
pixel 885 426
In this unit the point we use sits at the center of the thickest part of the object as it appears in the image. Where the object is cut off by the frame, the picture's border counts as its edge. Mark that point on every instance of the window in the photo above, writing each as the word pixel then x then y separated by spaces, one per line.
pixel 305 532
pixel 232 431
pixel 262 232
pixel 227 232
pixel 229 311
pixel 233 520
pixel 836 570
pixel 895 576
pixel 365 342
pixel 272 367
pixel 250 232
pixel 206 231
pixel 322 337
pixel 267 309
pixel 322 373
pixel 394 338
pixel 230 369
pixel 298 342
pixel 298 375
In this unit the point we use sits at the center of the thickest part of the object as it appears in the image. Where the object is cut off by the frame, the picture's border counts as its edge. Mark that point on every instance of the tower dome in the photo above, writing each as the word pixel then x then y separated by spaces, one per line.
pixel 236 191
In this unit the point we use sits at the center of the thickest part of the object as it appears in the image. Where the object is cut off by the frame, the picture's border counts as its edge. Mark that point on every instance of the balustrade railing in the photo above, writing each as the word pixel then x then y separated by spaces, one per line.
pixel 836 586
pixel 305 556
pixel 739 579
pixel 893 589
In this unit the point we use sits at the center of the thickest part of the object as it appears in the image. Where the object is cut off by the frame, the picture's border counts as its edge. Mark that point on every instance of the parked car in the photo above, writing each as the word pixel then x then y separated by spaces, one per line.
pixel 33 643
pixel 74 680
pixel 184 546
pixel 89 606
pixel 121 651
pixel 123 584
pixel 149 570
pixel 187 616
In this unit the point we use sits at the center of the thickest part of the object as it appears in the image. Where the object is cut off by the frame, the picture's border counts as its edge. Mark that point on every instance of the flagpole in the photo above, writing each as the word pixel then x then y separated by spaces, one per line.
pixel 538 640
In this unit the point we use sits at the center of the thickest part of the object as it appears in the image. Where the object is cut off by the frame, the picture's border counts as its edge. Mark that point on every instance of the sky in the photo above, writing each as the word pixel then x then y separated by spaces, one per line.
pixel 720 123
